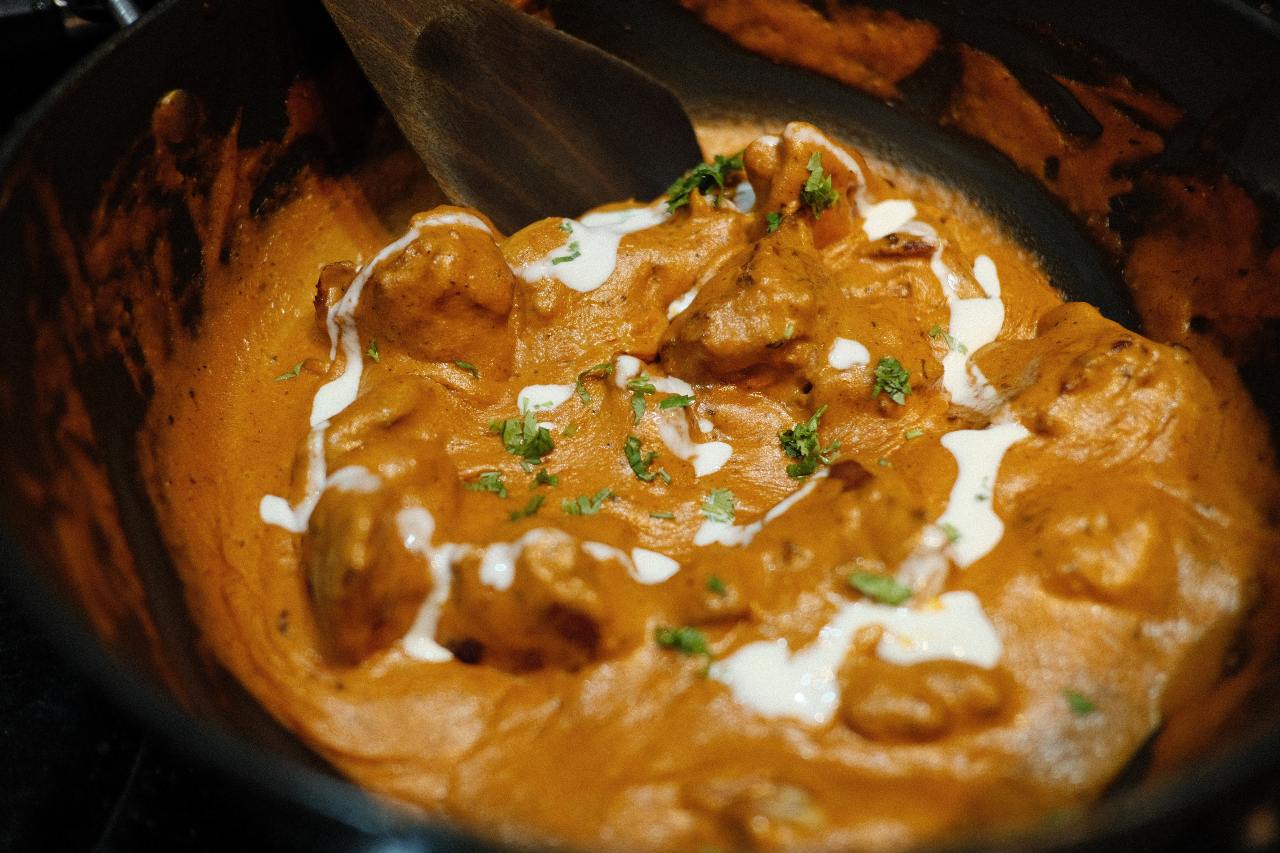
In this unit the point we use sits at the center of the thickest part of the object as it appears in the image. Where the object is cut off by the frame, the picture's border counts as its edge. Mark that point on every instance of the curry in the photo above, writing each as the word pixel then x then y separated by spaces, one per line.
pixel 794 509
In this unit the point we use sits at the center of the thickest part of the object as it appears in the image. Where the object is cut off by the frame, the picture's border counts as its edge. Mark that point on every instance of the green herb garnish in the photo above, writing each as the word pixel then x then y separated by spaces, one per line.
pixel 603 369
pixel 801 442
pixel 373 353
pixel 529 509
pixel 574 254
pixel 818 192
pixel 570 430
pixel 893 379
pixel 687 641
pixel 1079 704
pixel 585 505
pixel 676 401
pixel 640 463
pixel 884 463
pixel 883 589
pixel 912 433
pixel 666 515
pixel 773 220
pixel 489 481
pixel 524 438
pixel 953 535
pixel 702 178
pixel 542 478
pixel 936 332
pixel 717 586
pixel 293 374
pixel 720 506
pixel 640 386
pixel 470 368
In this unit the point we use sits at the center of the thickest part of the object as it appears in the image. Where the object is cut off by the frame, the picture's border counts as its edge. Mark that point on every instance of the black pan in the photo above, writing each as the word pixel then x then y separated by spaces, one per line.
pixel 1219 60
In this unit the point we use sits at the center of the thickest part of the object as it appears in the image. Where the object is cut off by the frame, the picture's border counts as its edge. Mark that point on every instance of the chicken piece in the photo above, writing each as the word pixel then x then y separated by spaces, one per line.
pixel 543 601
pixel 444 297
pixel 366 586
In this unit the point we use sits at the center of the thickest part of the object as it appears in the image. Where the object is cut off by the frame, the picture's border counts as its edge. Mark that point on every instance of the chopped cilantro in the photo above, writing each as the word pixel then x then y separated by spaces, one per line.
pixel 470 368
pixel 676 401
pixel 801 442
pixel 583 394
pixel 1080 704
pixel 524 438
pixel 489 481
pixel 703 177
pixel 936 332
pixel 883 589
pixel 893 379
pixel 720 505
pixel 667 515
pixel 884 463
pixel 542 478
pixel 789 331
pixel 293 374
pixel 566 227
pixel 953 535
pixel 640 463
pixel 912 433
pixel 773 220
pixel 640 386
pixel 570 430
pixel 529 509
pixel 818 192
pixel 717 586
pixel 687 641
pixel 574 254
pixel 373 353
pixel 585 505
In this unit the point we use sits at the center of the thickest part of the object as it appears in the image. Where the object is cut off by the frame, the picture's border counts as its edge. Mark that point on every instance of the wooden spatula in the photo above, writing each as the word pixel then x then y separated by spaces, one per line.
pixel 513 117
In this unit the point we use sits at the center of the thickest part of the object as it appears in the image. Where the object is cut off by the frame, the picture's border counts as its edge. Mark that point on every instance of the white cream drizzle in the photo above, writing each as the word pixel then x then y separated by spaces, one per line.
pixel 543 398
pixel 498 562
pixel 707 457
pixel 597 236
pixel 845 354
pixel 644 566
pixel 969 511
pixel 728 533
pixel 881 220
pixel 628 367
pixel 766 676
pixel 416 526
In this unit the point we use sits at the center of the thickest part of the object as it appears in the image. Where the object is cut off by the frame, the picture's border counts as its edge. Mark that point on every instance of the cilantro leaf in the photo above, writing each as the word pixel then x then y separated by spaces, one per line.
pixel 717 586
pixel 687 641
pixel 883 589
pixel 720 506
pixel 893 379
pixel 470 368
pixel 801 442
pixel 953 535
pixel 489 481
pixel 1080 704
pixel 912 433
pixel 936 332
pixel 818 192
pixel 640 386
pixel 585 505
pixel 293 374
pixel 574 254
pixel 604 370
pixel 570 430
pixel 542 478
pixel 524 438
pixel 676 401
pixel 703 177
pixel 529 509
pixel 667 515
pixel 640 463
pixel 773 220
pixel 373 353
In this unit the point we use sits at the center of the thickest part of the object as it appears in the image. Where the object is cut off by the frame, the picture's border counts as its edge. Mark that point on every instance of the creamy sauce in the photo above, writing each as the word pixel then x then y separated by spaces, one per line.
pixel 845 354
pixel 778 683
pixel 590 253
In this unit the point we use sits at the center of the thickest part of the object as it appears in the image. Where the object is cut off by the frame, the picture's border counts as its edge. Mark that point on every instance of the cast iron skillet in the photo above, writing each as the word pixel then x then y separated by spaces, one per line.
pixel 1217 59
